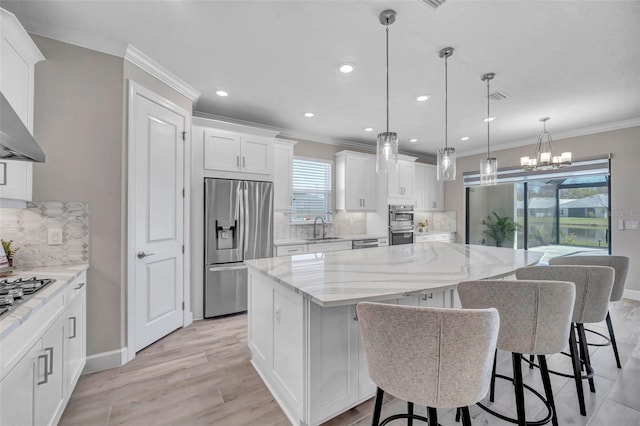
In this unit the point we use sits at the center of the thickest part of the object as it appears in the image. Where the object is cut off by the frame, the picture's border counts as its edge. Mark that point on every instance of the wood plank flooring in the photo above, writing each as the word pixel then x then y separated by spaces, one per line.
pixel 201 375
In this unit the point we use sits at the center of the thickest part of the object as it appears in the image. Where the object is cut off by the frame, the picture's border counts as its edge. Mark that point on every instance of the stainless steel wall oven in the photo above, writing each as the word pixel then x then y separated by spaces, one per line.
pixel 401 224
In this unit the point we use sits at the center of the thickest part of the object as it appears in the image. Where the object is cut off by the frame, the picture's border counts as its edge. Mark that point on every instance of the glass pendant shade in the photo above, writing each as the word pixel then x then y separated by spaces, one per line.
pixel 489 171
pixel 387 152
pixel 447 164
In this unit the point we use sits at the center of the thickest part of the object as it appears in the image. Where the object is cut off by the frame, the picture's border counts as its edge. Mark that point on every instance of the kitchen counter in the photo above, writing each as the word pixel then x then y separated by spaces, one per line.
pixel 380 273
pixel 303 332
pixel 295 241
pixel 63 274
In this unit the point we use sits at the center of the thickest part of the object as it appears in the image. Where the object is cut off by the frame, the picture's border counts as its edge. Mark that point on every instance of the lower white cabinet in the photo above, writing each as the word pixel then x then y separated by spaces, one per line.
pixel 37 388
pixel 327 247
pixel 444 237
pixel 291 250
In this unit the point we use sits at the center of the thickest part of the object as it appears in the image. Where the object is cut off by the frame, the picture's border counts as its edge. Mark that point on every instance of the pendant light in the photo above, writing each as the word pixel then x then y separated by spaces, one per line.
pixel 446 155
pixel 545 156
pixel 387 143
pixel 488 165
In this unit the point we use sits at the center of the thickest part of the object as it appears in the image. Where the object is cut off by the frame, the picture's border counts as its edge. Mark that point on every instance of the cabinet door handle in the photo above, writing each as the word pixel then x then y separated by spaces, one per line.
pixel 45 376
pixel 435 204
pixel 79 286
pixel 237 161
pixel 243 162
pixel 50 350
pixel 74 327
pixel 364 202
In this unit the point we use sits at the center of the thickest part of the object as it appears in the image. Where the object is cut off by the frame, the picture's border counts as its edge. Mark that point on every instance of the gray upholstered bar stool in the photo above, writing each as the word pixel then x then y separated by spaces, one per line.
pixel 439 358
pixel 535 318
pixel 593 289
pixel 621 266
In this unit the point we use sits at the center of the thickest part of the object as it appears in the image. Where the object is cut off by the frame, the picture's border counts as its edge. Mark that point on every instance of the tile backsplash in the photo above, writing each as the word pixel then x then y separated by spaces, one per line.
pixel 343 224
pixel 28 228
pixel 438 221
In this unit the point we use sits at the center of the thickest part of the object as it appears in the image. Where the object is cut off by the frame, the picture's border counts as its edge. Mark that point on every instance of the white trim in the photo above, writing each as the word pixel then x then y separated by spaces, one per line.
pixel 600 128
pixel 141 60
pixel 135 89
pixel 236 126
pixel 104 361
pixel 632 294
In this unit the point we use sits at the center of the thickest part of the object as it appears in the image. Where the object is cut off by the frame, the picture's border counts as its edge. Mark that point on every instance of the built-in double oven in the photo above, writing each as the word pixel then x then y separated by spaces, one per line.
pixel 400 224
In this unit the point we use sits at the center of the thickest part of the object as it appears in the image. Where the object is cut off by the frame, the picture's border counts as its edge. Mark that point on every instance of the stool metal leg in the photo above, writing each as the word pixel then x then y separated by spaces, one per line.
pixel 432 414
pixel 546 381
pixel 410 411
pixel 531 358
pixel 577 374
pixel 519 387
pixel 612 337
pixel 466 418
pixel 458 413
pixel 492 388
pixel 378 408
pixel 585 354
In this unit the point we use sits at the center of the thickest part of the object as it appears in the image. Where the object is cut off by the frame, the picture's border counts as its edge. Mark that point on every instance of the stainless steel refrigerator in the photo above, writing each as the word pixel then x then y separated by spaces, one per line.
pixel 238 225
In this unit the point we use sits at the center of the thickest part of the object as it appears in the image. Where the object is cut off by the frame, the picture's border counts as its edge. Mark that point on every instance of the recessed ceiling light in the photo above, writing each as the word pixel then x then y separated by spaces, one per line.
pixel 368 129
pixel 422 98
pixel 346 68
pixel 308 114
pixel 464 138
pixel 489 119
pixel 222 93
pixel 413 140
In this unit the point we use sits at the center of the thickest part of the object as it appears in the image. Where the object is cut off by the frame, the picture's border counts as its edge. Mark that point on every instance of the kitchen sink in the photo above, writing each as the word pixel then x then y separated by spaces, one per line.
pixel 322 239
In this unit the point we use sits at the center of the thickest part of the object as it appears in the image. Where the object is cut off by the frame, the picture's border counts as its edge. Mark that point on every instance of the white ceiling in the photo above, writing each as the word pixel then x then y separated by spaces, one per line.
pixel 575 61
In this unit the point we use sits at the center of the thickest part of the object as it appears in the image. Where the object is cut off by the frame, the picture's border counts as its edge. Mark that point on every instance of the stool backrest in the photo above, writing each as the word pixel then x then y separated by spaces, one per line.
pixel 593 287
pixel 440 358
pixel 535 316
pixel 619 263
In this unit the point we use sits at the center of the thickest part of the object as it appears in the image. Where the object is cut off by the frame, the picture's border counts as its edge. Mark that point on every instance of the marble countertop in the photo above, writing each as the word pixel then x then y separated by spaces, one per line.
pixel 382 273
pixel 295 241
pixel 63 275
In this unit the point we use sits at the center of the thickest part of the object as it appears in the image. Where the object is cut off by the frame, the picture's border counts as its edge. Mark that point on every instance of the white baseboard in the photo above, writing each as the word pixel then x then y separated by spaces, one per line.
pixel 632 294
pixel 105 361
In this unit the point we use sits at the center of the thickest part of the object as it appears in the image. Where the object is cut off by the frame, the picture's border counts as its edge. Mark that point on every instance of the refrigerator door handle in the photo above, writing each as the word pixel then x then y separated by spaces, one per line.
pixel 245 204
pixel 228 268
pixel 240 212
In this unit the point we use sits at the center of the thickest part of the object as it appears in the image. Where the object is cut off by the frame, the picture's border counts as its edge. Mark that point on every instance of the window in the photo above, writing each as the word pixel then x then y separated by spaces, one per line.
pixel 311 190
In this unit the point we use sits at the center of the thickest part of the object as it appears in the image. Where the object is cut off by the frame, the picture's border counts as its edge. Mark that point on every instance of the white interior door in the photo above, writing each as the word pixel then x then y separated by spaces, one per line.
pixel 158 215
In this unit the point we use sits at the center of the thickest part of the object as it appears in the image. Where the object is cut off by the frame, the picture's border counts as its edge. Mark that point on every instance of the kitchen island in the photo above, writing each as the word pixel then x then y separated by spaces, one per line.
pixel 303 332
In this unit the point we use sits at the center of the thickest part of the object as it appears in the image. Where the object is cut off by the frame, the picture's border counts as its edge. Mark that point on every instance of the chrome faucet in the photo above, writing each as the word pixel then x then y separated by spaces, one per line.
pixel 316 234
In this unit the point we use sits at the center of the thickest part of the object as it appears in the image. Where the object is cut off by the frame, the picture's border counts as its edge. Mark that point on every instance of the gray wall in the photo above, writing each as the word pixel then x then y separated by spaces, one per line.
pixel 78 122
pixel 624 144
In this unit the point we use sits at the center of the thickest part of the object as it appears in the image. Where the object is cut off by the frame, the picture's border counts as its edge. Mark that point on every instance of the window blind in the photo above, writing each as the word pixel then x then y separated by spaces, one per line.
pixel 311 190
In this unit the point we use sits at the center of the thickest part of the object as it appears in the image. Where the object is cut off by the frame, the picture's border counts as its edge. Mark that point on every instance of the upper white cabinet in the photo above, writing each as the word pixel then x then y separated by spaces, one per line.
pixel 17 70
pixel 401 184
pixel 429 190
pixel 355 181
pixel 233 152
pixel 283 174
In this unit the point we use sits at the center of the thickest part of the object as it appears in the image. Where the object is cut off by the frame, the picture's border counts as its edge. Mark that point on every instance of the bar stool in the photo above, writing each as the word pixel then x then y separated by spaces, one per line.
pixel 621 266
pixel 593 289
pixel 535 318
pixel 439 358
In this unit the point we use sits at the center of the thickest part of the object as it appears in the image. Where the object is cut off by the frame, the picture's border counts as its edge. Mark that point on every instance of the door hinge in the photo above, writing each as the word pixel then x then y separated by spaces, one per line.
pixel 182 249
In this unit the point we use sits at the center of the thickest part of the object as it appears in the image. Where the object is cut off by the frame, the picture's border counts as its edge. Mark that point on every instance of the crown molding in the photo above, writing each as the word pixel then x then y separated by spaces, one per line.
pixel 584 131
pixel 144 62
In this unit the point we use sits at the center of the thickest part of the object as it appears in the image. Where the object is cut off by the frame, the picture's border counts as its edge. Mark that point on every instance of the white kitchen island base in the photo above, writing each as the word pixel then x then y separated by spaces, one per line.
pixel 303 332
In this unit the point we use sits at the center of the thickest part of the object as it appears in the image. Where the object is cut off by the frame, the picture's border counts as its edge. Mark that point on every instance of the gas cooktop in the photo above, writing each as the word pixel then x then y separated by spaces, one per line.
pixel 15 292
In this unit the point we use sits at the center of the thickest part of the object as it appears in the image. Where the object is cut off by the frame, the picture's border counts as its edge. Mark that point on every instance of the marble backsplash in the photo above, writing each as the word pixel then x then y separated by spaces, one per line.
pixel 343 224
pixel 28 228
pixel 356 224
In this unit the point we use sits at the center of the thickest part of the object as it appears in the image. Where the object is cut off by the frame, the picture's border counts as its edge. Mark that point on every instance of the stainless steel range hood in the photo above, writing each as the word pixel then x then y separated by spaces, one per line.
pixel 16 142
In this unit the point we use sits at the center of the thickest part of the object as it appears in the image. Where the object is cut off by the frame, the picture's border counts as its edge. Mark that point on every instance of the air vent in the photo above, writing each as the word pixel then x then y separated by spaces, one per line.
pixel 434 3
pixel 498 96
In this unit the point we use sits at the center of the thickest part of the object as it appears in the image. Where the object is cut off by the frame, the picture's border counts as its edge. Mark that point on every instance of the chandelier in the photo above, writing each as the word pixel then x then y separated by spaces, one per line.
pixel 545 156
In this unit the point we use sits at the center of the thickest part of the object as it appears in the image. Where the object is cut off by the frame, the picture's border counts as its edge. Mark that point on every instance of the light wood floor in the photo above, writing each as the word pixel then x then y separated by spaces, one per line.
pixel 201 375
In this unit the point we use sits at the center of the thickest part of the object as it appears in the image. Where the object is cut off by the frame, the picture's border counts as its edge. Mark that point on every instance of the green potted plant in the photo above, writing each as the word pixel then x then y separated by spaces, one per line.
pixel 499 228
pixel 9 250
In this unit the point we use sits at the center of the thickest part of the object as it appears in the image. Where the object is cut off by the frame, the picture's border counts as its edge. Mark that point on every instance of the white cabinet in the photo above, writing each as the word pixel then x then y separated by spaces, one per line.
pixel 43 358
pixel 429 190
pixel 355 181
pixel 291 250
pixel 17 68
pixel 401 183
pixel 283 175
pixel 328 247
pixel 233 152
pixel 443 237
